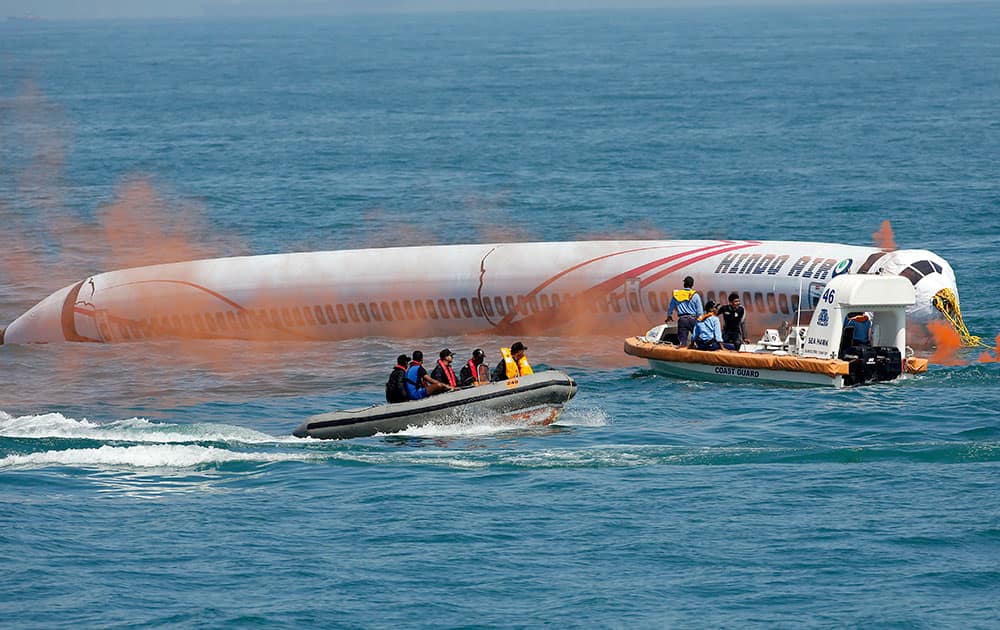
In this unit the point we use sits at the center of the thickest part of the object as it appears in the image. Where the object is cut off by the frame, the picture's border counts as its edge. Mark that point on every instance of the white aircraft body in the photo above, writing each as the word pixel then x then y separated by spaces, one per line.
pixel 502 288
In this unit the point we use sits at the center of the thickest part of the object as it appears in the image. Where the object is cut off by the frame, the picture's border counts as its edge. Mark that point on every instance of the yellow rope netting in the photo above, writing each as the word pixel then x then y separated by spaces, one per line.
pixel 946 302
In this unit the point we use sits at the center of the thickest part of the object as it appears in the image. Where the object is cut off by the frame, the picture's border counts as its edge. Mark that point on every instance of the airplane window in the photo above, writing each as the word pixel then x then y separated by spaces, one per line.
pixel 532 304
pixel 418 305
pixel 453 306
pixel 342 313
pixel 185 322
pixel 398 312
pixel 307 314
pixel 758 302
pixel 616 303
pixel 443 308
pixel 477 307
pixel 795 303
pixel 488 307
pixel 465 307
pixel 501 311
pixel 373 307
pixel 555 300
pixel 320 317
pixel 352 311
pixel 331 318
pixel 924 267
pixel 240 315
pixel 710 297
pixel 199 323
pixel 602 305
pixel 297 316
pixel 654 304
pixel 937 267
pixel 363 311
pixel 408 309
pixel 771 304
pixel 511 306
pixel 386 312
pixel 286 316
pixel 783 303
pixel 544 301
pixel 220 320
pixel 431 310
pixel 747 301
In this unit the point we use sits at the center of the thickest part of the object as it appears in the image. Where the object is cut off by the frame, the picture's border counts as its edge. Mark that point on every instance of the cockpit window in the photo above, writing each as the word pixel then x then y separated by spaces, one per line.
pixel 924 267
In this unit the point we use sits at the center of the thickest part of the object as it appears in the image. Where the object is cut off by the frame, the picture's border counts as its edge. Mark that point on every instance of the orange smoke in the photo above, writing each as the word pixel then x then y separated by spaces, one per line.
pixel 884 237
pixel 985 357
pixel 947 341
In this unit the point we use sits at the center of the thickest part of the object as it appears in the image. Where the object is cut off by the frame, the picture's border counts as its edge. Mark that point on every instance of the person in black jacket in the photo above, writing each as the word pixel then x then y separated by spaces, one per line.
pixel 395 387
pixel 469 374
pixel 443 371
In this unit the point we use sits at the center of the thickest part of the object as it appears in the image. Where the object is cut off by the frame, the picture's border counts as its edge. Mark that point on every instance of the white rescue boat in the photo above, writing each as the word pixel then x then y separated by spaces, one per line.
pixel 823 353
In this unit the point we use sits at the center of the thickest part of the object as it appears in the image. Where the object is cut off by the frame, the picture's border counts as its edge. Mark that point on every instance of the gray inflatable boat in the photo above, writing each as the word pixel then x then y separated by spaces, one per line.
pixel 537 398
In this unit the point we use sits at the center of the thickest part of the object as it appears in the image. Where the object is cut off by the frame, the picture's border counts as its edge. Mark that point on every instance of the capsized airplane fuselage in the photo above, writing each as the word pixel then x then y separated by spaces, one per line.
pixel 502 288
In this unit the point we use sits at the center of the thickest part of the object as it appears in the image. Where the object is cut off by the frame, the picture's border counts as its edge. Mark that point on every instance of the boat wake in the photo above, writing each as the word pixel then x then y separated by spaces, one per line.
pixel 152 455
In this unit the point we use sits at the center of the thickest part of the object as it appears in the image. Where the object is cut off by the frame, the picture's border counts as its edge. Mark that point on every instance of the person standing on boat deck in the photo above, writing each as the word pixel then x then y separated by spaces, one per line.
pixel 862 325
pixel 513 363
pixel 687 303
pixel 734 328
pixel 443 372
pixel 470 372
pixel 708 331
pixel 419 384
pixel 395 387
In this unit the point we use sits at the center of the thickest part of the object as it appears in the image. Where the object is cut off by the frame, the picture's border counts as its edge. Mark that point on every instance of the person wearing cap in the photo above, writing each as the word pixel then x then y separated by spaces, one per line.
pixel 708 331
pixel 474 371
pixel 513 363
pixel 687 303
pixel 419 384
pixel 443 371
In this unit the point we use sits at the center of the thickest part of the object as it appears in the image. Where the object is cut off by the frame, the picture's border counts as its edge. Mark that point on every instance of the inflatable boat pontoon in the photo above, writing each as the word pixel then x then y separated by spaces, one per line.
pixel 536 397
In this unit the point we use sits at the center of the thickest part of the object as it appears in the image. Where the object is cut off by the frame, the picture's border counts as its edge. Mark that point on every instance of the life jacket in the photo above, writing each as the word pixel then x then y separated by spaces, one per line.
pixel 683 295
pixel 448 373
pixel 515 368
pixel 395 387
pixel 414 390
pixel 480 373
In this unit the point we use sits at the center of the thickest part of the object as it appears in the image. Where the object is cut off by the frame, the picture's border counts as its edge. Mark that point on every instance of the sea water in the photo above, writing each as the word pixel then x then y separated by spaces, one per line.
pixel 157 484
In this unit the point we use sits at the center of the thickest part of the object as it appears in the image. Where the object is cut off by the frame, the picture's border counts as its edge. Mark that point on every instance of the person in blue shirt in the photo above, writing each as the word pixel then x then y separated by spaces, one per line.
pixel 708 331
pixel 862 325
pixel 419 384
pixel 687 303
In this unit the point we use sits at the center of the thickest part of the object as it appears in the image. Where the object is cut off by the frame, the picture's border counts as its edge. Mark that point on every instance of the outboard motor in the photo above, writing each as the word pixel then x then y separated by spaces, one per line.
pixel 888 363
pixel 864 362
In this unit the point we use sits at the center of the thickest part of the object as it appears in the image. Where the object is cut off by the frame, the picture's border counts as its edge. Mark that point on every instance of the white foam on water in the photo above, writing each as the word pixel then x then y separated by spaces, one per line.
pixel 583 417
pixel 145 456
pixel 55 425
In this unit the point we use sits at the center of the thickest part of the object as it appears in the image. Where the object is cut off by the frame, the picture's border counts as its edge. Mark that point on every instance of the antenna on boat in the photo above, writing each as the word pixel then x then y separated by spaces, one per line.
pixel 798 314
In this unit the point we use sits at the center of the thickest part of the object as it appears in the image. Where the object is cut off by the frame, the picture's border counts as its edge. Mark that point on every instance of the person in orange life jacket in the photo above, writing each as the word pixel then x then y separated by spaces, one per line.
pixel 443 372
pixel 470 372
pixel 395 387
pixel 708 332
pixel 513 363
pixel 687 303
pixel 419 384
pixel 862 325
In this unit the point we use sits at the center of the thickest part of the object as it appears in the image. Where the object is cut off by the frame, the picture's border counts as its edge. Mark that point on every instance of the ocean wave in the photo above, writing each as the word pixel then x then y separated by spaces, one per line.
pixel 56 425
